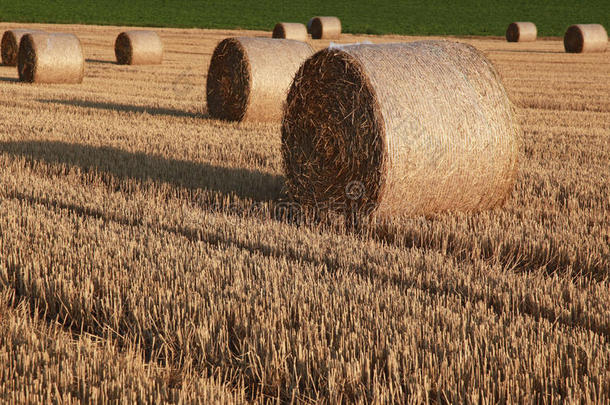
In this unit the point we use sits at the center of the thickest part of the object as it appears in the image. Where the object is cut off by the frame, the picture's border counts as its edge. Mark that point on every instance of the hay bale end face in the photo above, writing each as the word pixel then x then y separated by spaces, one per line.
pixel 50 58
pixel 138 48
pixel 10 45
pixel 521 32
pixel 295 31
pixel 248 78
pixel 399 129
pixel 582 38
pixel 325 28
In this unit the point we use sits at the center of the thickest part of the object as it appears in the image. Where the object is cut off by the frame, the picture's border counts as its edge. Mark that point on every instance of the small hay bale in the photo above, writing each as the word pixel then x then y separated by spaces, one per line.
pixel 325 28
pixel 295 31
pixel 582 38
pixel 399 129
pixel 50 58
pixel 10 44
pixel 521 32
pixel 248 78
pixel 138 48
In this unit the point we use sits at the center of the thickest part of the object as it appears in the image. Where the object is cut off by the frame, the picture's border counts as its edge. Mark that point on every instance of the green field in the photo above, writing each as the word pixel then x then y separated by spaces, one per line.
pixel 428 17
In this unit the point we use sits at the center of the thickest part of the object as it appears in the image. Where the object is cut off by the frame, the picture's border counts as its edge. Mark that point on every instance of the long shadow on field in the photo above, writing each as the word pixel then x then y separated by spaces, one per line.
pixel 108 62
pixel 115 165
pixel 9 79
pixel 523 51
pixel 125 108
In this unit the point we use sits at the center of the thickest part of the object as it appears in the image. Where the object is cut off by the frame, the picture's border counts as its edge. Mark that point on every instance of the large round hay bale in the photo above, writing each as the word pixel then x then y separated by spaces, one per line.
pixel 521 32
pixel 295 31
pixel 399 129
pixel 585 38
pixel 10 45
pixel 50 58
pixel 248 78
pixel 138 47
pixel 325 28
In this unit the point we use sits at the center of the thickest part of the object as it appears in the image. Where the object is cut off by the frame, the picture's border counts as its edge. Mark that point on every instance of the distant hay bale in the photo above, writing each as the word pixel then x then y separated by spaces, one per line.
pixel 248 78
pixel 50 58
pixel 325 28
pixel 582 38
pixel 399 129
pixel 138 48
pixel 10 45
pixel 295 31
pixel 521 32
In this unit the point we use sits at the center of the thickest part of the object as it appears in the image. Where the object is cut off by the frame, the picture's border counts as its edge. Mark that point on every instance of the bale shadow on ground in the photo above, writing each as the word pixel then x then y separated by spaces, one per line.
pixel 100 105
pixel 114 164
pixel 108 62
pixel 528 51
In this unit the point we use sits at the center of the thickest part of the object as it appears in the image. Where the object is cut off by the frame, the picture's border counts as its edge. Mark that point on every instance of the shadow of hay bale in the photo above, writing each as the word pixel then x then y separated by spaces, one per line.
pixel 100 105
pixel 123 165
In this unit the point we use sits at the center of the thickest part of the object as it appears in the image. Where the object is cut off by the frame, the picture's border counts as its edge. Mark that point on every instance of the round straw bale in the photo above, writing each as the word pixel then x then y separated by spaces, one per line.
pixel 50 58
pixel 399 129
pixel 585 38
pixel 521 32
pixel 138 48
pixel 294 31
pixel 10 45
pixel 248 78
pixel 325 28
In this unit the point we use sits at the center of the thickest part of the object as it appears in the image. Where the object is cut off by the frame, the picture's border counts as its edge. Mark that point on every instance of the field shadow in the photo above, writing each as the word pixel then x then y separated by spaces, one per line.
pixel 9 79
pixel 114 164
pixel 108 62
pixel 522 51
pixel 126 108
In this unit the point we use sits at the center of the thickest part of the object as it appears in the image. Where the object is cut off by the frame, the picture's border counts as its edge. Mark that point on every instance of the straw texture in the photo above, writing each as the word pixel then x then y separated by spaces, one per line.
pixel 521 32
pixel 138 48
pixel 399 129
pixel 50 58
pixel 10 45
pixel 295 31
pixel 582 38
pixel 325 28
pixel 248 78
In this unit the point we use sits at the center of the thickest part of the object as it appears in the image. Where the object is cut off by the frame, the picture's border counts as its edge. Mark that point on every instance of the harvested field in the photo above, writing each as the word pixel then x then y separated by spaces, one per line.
pixel 141 237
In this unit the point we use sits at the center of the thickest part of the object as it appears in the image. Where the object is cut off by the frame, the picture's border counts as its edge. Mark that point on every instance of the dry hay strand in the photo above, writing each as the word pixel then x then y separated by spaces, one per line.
pixel 399 129
pixel 521 32
pixel 296 31
pixel 248 78
pixel 50 58
pixel 138 47
pixel 325 27
pixel 582 38
pixel 10 44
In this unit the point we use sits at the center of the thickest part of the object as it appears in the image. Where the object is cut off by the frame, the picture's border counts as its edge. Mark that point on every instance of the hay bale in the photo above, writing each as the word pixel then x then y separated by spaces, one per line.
pixel 581 38
pixel 138 48
pixel 50 58
pixel 325 28
pixel 521 32
pixel 248 78
pixel 399 129
pixel 295 31
pixel 10 45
